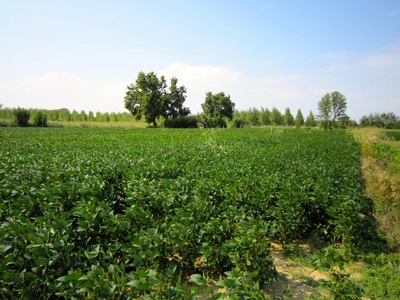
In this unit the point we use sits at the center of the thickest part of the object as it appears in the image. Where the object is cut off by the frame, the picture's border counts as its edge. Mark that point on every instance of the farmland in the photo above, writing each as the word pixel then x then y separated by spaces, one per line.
pixel 130 213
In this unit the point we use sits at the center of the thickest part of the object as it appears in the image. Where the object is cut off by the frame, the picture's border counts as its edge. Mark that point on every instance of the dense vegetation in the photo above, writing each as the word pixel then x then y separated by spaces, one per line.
pixel 110 212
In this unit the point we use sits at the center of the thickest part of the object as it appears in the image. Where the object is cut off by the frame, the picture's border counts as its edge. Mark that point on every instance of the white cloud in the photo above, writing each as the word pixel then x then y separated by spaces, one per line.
pixel 62 82
pixel 54 90
pixel 199 80
pixel 278 91
pixel 201 76
pixel 64 90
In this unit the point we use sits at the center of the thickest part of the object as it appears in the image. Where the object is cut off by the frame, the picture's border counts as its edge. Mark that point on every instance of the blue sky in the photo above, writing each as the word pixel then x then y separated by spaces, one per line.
pixel 82 54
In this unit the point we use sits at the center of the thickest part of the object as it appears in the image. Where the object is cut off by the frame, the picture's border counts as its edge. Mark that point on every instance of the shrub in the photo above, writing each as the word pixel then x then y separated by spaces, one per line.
pixel 238 123
pixel 181 122
pixel 211 122
pixel 21 116
pixel 40 119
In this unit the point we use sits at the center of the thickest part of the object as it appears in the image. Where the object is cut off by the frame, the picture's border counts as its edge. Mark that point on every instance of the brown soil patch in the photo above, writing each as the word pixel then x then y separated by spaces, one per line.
pixel 293 279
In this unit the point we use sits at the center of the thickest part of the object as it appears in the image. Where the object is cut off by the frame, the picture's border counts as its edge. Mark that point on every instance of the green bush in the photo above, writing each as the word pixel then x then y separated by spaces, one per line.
pixel 238 123
pixel 21 116
pixel 182 122
pixel 40 119
pixel 211 122
pixel 382 279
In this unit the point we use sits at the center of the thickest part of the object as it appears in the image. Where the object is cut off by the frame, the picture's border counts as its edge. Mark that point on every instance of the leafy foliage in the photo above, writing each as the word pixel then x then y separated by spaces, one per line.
pixel 339 283
pixel 111 213
pixel 149 97
pixel 382 279
pixel 310 121
pixel 299 121
pixel 387 120
pixel 21 116
pixel 288 118
pixel 40 119
pixel 216 107
pixel 332 110
pixel 182 122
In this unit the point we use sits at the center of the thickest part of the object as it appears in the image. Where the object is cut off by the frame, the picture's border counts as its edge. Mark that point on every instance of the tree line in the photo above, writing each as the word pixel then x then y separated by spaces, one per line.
pixel 62 114
pixel 150 99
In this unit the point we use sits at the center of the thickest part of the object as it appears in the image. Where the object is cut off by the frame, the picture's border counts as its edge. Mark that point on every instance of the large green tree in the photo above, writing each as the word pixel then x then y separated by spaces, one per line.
pixel 332 109
pixel 149 97
pixel 217 106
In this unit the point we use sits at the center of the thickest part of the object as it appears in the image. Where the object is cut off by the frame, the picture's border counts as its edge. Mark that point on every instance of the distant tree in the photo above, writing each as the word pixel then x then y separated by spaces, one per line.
pixel 74 116
pixel 382 120
pixel 53 115
pixel 174 100
pixel 39 119
pixel 325 110
pixel 239 119
pixel 83 116
pixel 332 110
pixel 113 117
pixel 99 117
pixel 216 107
pixel 91 117
pixel 339 106
pixel 310 121
pixel 7 113
pixel 265 116
pixel 288 118
pixel 122 117
pixel 1 105
pixel 64 114
pixel 106 117
pixel 299 121
pixel 149 97
pixel 21 116
pixel 276 117
pixel 253 116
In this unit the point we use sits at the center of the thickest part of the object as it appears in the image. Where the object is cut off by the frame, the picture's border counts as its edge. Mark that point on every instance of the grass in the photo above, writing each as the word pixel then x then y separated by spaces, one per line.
pixel 381 179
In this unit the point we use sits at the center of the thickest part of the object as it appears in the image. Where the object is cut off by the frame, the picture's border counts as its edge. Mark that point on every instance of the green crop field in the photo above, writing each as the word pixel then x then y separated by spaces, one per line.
pixel 127 213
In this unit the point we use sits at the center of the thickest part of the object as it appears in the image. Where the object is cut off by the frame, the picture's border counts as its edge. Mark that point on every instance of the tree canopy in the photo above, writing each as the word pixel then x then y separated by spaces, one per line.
pixel 384 120
pixel 150 98
pixel 299 121
pixel 288 117
pixel 310 121
pixel 276 117
pixel 216 107
pixel 332 109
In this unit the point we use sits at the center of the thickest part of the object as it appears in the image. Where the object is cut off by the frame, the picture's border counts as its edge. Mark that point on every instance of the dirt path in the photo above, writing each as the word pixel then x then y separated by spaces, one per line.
pixel 293 279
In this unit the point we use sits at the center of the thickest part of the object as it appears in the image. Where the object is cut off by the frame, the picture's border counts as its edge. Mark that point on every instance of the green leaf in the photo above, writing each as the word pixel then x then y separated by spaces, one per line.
pixel 13 277
pixel 134 283
pixel 144 286
pixel 41 261
pixel 227 283
pixel 198 279
pixel 77 275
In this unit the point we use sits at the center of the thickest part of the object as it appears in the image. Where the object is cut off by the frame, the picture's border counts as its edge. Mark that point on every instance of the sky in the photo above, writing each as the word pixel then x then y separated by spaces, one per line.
pixel 81 55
